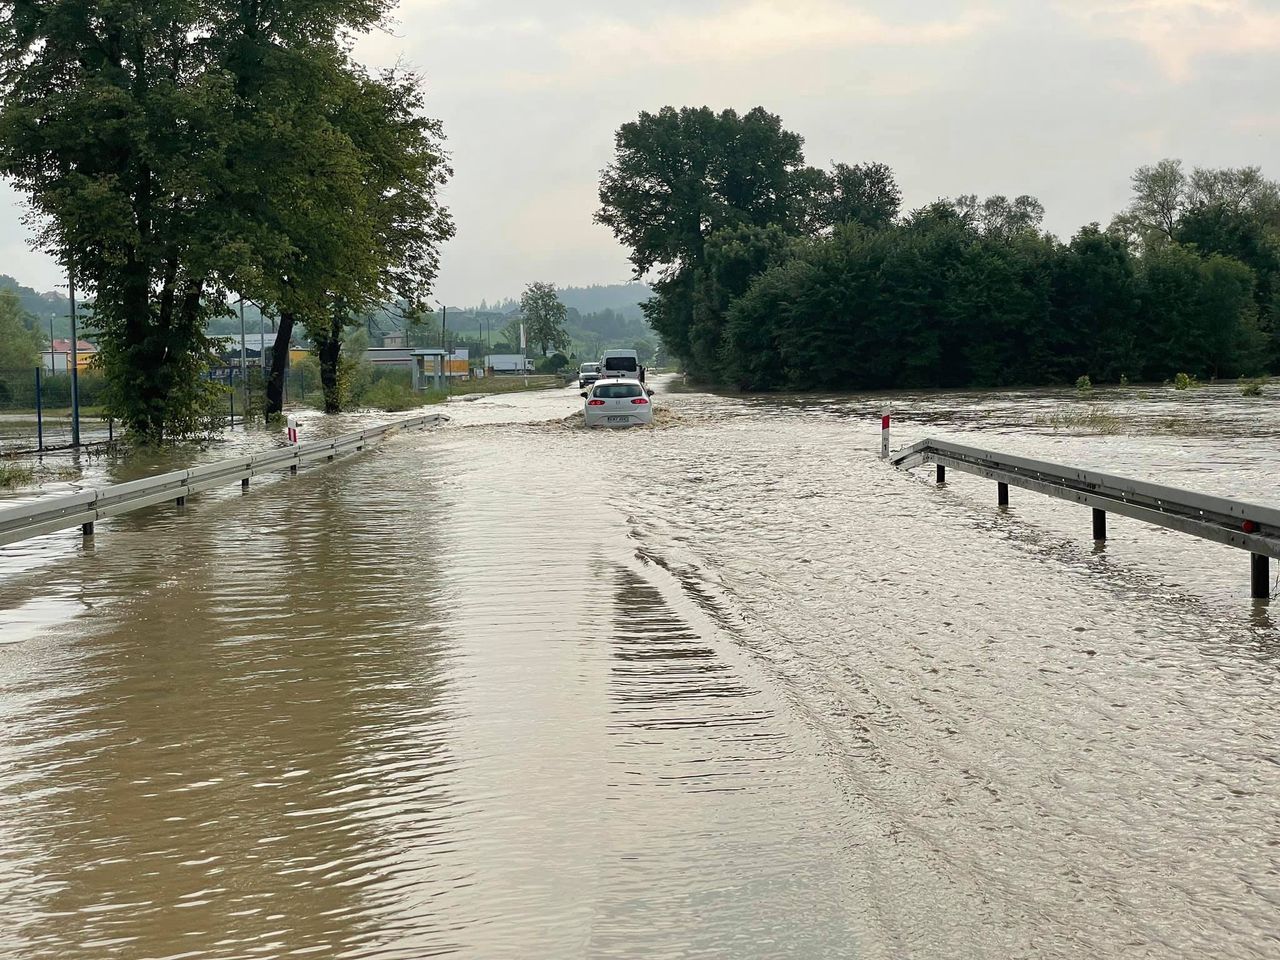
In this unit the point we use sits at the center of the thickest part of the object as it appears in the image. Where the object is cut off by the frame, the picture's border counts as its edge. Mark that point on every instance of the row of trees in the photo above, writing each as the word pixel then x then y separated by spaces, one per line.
pixel 179 154
pixel 771 274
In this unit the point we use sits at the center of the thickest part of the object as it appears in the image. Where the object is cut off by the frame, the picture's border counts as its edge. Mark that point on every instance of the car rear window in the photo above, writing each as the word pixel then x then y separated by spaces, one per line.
pixel 618 391
pixel 620 363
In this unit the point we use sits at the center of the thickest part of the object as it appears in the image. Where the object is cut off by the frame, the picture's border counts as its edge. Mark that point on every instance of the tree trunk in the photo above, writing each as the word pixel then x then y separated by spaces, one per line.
pixel 329 352
pixel 279 362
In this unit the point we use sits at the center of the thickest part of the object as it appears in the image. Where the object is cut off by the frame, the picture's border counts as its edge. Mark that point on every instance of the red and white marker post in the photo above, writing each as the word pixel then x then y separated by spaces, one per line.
pixel 884 437
pixel 293 430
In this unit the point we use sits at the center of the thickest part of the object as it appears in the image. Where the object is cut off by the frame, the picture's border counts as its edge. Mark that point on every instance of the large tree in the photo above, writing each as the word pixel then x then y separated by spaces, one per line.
pixel 544 317
pixel 175 151
pixel 113 122
pixel 865 193
pixel 394 224
pixel 678 177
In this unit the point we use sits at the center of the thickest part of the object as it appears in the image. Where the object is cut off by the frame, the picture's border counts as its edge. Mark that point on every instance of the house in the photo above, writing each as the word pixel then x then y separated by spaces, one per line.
pixel 58 357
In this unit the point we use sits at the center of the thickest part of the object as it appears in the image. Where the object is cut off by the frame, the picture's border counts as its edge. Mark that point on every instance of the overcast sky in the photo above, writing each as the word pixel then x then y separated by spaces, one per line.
pixel 1061 100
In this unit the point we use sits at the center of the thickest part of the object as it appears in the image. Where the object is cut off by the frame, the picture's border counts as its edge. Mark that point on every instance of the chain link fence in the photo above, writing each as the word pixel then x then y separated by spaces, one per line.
pixel 36 414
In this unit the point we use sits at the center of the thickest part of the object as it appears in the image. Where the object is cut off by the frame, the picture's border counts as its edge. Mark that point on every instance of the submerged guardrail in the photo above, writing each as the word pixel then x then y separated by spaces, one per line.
pixel 84 509
pixel 1236 523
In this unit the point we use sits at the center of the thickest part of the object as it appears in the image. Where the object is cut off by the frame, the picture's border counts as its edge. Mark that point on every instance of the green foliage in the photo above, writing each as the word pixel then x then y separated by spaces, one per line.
pixel 552 364
pixel 544 318
pixel 19 344
pixel 1184 381
pixel 391 395
pixel 1252 386
pixel 175 151
pixel 865 193
pixel 15 475
pixel 773 275
pixel 1094 419
pixel 1124 380
pixel 1084 384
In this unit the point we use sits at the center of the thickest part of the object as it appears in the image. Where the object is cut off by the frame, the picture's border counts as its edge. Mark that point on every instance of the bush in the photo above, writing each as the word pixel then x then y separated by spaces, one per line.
pixel 552 364
pixel 1252 387
pixel 391 395
pixel 1185 381
pixel 15 475
pixel 1084 384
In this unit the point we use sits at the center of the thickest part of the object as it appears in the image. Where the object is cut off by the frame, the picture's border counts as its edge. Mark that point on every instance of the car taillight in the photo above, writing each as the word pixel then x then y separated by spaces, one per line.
pixel 595 403
pixel 639 400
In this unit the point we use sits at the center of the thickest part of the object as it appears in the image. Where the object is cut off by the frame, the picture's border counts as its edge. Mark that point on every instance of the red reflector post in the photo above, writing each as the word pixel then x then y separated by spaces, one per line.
pixel 1249 527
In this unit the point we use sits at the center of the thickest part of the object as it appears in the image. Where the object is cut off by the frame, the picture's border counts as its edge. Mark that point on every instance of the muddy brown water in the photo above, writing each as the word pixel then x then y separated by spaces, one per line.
pixel 727 688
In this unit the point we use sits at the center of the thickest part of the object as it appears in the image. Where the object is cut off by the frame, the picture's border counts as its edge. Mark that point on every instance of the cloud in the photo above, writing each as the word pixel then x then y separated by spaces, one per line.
pixel 1177 33
pixel 738 33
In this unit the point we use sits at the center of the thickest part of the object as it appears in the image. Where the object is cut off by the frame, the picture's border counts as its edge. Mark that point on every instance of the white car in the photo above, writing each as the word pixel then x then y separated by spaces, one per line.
pixel 617 403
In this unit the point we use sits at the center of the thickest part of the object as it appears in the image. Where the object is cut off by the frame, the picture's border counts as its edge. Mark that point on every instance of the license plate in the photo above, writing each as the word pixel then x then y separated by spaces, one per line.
pixel 618 419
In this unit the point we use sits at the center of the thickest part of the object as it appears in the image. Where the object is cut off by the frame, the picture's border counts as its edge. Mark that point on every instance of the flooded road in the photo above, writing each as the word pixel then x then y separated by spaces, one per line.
pixel 728 688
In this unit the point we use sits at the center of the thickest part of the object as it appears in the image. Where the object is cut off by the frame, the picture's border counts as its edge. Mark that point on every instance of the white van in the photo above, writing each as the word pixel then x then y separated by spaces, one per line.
pixel 621 364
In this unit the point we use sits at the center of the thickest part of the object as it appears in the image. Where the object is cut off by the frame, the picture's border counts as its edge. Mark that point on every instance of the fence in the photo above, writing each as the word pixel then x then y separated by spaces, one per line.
pixel 35 410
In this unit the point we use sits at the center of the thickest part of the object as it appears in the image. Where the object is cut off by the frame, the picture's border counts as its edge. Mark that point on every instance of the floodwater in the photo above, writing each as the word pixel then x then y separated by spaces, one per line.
pixel 726 688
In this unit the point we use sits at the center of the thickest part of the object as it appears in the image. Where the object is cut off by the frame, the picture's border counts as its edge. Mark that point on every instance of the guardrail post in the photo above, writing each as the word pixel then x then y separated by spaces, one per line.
pixel 1260 581
pixel 244 483
pixel 942 474
pixel 180 502
pixel 1099 524
pixel 1002 494
pixel 87 529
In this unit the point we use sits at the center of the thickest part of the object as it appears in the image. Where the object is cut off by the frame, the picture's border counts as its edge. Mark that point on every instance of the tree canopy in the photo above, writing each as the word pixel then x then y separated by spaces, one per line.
pixel 770 274
pixel 544 318
pixel 176 153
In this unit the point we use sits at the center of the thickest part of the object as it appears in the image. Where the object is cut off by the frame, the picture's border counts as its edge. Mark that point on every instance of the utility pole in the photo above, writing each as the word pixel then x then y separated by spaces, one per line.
pixel 75 373
pixel 444 323
pixel 244 364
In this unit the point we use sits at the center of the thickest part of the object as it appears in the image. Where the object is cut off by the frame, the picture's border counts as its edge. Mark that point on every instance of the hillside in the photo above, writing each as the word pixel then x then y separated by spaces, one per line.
pixel 43 307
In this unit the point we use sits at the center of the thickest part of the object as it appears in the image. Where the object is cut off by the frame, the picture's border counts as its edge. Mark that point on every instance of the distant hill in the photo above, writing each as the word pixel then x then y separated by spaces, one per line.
pixel 43 307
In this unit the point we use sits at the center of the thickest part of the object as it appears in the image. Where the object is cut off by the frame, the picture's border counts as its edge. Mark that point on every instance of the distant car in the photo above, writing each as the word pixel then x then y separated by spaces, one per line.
pixel 588 374
pixel 623 364
pixel 617 403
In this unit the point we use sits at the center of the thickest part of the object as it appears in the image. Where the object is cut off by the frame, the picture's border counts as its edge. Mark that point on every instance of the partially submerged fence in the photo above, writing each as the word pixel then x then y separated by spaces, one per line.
pixel 36 412
pixel 84 509
pixel 1236 523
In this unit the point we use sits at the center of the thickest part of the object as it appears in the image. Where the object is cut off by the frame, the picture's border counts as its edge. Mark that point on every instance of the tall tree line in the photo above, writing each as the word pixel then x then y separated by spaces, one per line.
pixel 772 274
pixel 179 154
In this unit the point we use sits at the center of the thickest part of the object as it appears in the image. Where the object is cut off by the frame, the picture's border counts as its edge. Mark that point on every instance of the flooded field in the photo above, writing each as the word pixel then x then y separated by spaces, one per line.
pixel 726 688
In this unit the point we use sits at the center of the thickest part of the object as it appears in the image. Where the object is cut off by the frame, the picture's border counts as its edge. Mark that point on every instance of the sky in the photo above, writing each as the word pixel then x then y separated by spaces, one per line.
pixel 1060 100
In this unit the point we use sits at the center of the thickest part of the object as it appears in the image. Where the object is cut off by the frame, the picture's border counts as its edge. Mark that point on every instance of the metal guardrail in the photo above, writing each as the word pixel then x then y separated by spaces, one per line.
pixel 83 509
pixel 1236 523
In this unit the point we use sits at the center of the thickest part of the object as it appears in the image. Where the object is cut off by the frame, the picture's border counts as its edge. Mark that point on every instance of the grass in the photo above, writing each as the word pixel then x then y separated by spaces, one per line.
pixel 1252 387
pixel 15 475
pixel 1093 420
pixel 392 396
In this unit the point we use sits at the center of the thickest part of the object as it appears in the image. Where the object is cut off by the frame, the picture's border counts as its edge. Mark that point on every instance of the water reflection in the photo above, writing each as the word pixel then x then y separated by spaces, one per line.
pixel 732 688
pixel 225 772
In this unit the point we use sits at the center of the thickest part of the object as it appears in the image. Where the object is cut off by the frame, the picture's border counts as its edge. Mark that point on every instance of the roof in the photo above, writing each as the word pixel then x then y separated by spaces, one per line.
pixel 82 346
